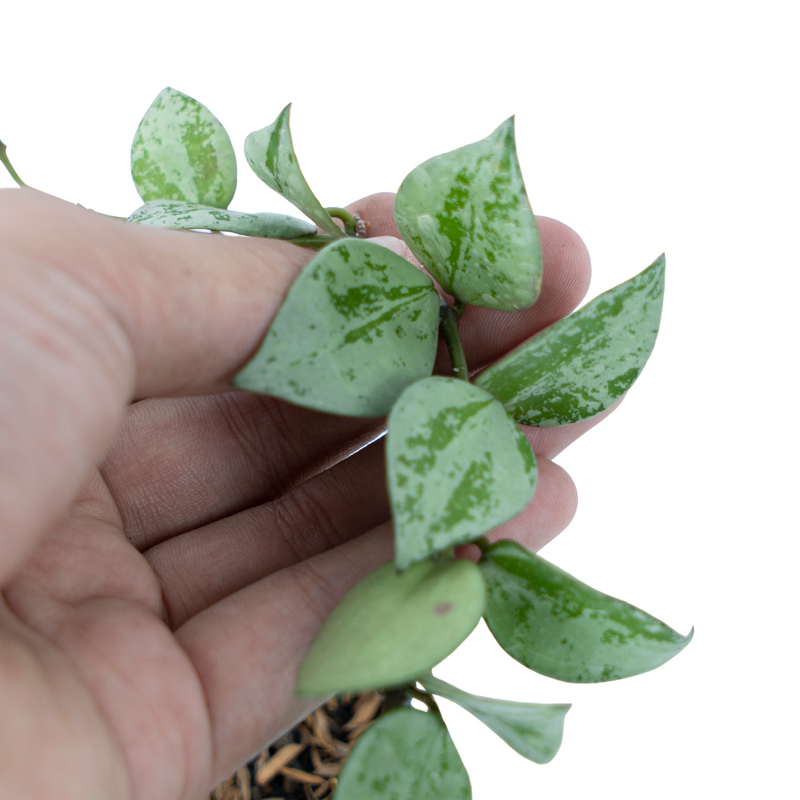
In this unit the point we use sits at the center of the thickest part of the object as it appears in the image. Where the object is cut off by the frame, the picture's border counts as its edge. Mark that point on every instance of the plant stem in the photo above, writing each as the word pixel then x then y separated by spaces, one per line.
pixel 346 217
pixel 448 329
pixel 426 698
pixel 315 240
pixel 396 698
pixel 11 171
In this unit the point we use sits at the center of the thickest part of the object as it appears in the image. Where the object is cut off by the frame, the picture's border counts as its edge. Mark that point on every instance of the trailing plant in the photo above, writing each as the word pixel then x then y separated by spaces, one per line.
pixel 357 335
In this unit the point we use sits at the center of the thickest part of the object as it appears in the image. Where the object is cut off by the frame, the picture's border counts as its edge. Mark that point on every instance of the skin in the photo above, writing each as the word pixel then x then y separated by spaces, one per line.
pixel 169 547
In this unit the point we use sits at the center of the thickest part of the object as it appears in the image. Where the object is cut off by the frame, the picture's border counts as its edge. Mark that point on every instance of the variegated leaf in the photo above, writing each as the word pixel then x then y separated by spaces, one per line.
pixel 584 363
pixel 271 155
pixel 457 466
pixel 466 217
pixel 391 627
pixel 182 152
pixel 404 755
pixel 359 325
pixel 562 628
pixel 193 216
pixel 534 730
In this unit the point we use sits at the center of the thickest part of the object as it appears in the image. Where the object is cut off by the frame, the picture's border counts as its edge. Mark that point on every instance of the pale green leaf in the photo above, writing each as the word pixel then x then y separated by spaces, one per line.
pixel 562 628
pixel 405 755
pixel 271 155
pixel 534 730
pixel 457 467
pixel 193 216
pixel 392 627
pixel 182 152
pixel 466 217
pixel 584 363
pixel 359 325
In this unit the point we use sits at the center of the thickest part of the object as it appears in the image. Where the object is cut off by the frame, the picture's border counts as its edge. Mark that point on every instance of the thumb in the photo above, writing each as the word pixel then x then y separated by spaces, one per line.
pixel 95 313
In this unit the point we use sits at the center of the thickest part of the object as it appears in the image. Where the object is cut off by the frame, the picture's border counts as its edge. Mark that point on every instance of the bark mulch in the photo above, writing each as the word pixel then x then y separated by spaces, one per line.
pixel 304 763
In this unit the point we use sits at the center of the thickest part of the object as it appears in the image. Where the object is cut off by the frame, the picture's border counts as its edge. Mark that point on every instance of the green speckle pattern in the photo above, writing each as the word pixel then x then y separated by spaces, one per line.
pixel 562 628
pixel 457 467
pixel 392 627
pixel 466 217
pixel 584 363
pixel 358 326
pixel 534 730
pixel 181 152
pixel 270 154
pixel 193 216
pixel 405 755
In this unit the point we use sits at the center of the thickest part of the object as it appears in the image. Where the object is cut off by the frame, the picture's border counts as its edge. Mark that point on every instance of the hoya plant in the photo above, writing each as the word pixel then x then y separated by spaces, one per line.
pixel 357 335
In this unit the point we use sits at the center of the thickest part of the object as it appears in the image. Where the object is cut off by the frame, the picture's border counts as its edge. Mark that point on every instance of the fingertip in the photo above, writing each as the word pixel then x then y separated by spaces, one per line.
pixel 567 270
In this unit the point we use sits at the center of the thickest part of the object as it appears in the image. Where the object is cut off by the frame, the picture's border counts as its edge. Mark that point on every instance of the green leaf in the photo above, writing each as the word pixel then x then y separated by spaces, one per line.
pixel 391 627
pixel 405 754
pixel 192 216
pixel 271 155
pixel 466 217
pixel 457 466
pixel 584 363
pixel 359 325
pixel 182 152
pixel 534 730
pixel 562 628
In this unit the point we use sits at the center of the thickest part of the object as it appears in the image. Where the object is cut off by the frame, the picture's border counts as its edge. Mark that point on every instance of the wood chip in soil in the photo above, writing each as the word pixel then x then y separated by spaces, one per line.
pixel 304 763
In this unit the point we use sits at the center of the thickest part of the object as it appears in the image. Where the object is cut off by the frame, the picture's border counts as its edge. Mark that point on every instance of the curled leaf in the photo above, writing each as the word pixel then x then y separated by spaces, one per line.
pixel 358 325
pixel 466 217
pixel 584 363
pixel 457 467
pixel 270 154
pixel 562 628
pixel 391 627
pixel 182 152
pixel 193 216
pixel 534 730
pixel 405 754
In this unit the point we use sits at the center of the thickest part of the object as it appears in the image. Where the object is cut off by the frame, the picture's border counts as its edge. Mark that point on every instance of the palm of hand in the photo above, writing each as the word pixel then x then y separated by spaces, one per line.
pixel 152 636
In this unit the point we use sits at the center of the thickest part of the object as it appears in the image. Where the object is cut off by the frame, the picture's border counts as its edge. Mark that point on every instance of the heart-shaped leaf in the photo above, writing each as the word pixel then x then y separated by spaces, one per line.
pixel 182 152
pixel 466 217
pixel 405 754
pixel 271 155
pixel 534 730
pixel 391 627
pixel 358 325
pixel 457 467
pixel 584 363
pixel 562 628
pixel 193 216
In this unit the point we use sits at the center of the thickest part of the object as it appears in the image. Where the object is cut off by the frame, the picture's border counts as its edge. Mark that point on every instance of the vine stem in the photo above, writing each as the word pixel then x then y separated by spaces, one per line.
pixel 346 217
pixel 11 171
pixel 448 328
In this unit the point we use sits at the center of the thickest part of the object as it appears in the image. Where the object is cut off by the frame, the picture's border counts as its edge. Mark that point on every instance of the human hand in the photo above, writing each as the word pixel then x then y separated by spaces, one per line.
pixel 165 564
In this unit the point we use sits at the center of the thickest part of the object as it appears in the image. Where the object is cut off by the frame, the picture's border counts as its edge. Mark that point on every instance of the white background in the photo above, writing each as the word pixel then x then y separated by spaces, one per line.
pixel 647 127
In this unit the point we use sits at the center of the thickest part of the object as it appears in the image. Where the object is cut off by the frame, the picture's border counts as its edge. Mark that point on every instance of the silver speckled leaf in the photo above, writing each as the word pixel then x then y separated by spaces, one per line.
pixel 358 325
pixel 562 628
pixel 391 627
pixel 404 755
pixel 534 730
pixel 466 217
pixel 457 467
pixel 193 216
pixel 584 363
pixel 182 152
pixel 271 155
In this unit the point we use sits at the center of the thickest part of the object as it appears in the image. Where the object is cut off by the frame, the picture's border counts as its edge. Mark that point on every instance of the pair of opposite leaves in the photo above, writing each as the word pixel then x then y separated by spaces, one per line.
pixel 464 214
pixel 392 628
